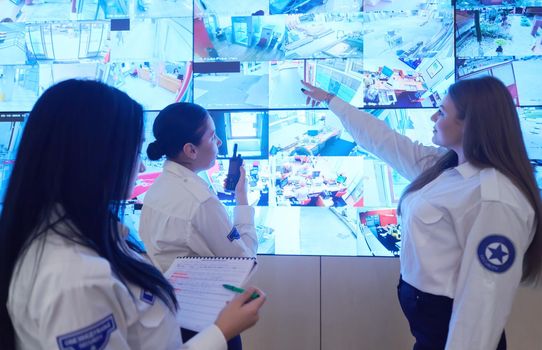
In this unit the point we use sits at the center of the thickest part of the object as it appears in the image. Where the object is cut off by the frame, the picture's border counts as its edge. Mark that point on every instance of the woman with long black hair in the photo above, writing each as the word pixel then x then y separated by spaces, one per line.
pixel 68 279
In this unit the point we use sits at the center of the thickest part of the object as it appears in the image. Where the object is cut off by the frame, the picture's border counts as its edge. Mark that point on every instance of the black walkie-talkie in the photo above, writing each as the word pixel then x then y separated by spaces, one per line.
pixel 234 173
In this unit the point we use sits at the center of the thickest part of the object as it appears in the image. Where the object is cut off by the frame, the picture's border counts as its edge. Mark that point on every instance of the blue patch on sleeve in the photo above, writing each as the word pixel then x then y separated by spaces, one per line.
pixel 147 297
pixel 94 337
pixel 234 234
pixel 496 253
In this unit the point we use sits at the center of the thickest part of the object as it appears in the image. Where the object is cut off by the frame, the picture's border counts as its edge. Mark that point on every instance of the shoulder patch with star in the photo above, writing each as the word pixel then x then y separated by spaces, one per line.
pixel 496 253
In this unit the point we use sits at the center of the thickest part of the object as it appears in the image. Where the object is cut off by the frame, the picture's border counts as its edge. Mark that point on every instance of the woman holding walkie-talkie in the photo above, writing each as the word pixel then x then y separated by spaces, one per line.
pixel 181 216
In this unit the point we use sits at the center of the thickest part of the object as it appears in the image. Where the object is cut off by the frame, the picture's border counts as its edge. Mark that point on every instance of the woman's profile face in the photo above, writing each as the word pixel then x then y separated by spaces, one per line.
pixel 448 129
pixel 207 149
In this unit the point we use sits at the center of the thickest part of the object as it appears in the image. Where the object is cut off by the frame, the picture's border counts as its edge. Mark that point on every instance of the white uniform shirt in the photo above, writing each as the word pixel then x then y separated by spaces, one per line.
pixel 463 235
pixel 181 216
pixel 66 297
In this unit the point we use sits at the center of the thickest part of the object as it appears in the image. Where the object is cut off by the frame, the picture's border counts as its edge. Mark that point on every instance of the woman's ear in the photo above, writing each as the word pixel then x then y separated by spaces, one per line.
pixel 190 151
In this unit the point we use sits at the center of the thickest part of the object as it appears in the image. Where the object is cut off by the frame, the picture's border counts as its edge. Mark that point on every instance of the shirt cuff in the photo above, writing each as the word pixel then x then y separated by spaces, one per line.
pixel 210 338
pixel 243 215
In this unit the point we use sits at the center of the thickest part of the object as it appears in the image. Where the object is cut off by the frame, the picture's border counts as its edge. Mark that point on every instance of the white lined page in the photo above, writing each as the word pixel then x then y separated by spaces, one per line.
pixel 198 286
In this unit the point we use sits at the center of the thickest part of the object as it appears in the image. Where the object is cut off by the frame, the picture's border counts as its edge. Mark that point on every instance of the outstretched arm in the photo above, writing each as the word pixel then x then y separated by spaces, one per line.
pixel 408 157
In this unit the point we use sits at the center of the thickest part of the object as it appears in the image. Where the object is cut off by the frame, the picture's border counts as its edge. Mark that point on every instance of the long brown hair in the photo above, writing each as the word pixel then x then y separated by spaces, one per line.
pixel 492 138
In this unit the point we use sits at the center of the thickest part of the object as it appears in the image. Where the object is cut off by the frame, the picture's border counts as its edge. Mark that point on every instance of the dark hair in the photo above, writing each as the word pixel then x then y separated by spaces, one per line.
pixel 492 138
pixel 176 125
pixel 76 158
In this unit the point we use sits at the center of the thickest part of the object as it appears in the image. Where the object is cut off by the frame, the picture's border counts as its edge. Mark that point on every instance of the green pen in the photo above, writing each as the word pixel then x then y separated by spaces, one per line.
pixel 240 290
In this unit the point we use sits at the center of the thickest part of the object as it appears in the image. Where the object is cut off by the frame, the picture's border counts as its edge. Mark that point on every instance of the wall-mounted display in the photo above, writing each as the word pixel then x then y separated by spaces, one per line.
pixel 315 191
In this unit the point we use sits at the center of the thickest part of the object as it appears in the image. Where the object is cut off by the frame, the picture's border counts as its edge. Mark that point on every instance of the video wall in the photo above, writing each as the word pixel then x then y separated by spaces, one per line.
pixel 316 192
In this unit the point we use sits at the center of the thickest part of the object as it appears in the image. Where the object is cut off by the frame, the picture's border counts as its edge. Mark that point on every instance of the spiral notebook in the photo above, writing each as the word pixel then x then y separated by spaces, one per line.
pixel 198 283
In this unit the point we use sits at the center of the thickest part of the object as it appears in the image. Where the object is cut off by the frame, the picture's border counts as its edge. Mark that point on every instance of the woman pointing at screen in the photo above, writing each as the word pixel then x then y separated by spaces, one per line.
pixel 471 216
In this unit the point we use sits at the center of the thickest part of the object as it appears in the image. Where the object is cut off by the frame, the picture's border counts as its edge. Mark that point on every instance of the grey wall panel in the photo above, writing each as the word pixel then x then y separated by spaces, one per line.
pixel 359 305
pixel 524 328
pixel 290 319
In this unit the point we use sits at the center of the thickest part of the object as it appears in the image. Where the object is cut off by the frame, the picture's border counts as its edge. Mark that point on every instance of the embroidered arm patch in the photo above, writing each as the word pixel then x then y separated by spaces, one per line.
pixel 234 234
pixel 496 253
pixel 93 337
pixel 147 297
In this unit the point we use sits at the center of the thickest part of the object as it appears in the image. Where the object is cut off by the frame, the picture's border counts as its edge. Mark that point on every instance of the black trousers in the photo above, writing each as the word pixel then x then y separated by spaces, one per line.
pixel 233 344
pixel 429 316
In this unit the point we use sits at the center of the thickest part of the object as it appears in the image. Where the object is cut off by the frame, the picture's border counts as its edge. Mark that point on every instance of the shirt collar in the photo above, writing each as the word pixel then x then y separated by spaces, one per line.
pixel 182 171
pixel 467 170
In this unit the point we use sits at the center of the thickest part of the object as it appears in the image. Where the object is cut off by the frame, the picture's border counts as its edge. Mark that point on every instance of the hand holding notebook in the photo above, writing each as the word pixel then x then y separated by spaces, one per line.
pixel 198 283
